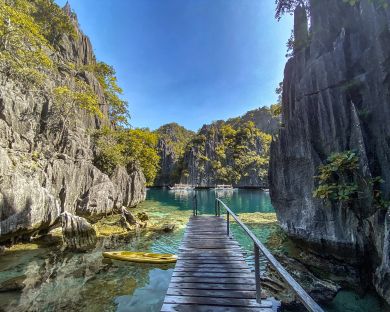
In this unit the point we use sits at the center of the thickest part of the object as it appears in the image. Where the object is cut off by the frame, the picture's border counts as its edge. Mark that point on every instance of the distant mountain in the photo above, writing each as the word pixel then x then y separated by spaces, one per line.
pixel 172 142
pixel 262 117
pixel 235 151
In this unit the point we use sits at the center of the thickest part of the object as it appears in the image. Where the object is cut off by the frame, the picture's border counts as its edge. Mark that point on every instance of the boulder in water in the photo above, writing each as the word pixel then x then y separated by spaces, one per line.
pixel 77 233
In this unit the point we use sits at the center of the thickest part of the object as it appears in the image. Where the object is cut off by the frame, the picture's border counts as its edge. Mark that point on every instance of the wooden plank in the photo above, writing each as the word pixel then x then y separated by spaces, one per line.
pixel 213 286
pixel 213 274
pixel 222 280
pixel 240 294
pixel 214 301
pixel 189 265
pixel 168 307
pixel 211 261
pixel 215 270
pixel 217 252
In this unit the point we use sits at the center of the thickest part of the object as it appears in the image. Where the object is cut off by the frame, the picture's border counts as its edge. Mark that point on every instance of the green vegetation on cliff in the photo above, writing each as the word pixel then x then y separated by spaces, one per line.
pixel 32 38
pixel 176 136
pixel 235 151
pixel 231 153
pixel 172 142
pixel 340 180
pixel 127 147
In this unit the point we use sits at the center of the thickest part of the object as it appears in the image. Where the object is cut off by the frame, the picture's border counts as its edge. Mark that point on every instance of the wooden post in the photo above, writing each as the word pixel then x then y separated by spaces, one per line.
pixel 257 273
pixel 227 223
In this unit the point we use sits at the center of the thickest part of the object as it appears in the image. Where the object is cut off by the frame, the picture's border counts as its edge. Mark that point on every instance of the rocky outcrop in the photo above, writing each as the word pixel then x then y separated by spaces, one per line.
pixel 77 233
pixel 322 291
pixel 336 98
pixel 172 141
pixel 262 117
pixel 46 166
pixel 237 156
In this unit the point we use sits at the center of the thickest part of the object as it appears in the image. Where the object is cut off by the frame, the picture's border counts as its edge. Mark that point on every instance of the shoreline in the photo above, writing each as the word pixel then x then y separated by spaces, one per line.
pixel 260 188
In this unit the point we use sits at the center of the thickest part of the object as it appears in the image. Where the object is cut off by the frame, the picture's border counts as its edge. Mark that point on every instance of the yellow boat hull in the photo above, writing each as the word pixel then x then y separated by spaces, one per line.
pixel 140 257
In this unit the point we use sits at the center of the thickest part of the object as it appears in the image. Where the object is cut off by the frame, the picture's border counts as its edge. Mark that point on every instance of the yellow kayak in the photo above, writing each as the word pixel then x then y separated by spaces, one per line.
pixel 142 257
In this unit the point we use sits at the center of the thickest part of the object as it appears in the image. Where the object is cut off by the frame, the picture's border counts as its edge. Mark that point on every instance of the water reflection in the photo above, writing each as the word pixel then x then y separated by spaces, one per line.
pixel 238 200
pixel 148 298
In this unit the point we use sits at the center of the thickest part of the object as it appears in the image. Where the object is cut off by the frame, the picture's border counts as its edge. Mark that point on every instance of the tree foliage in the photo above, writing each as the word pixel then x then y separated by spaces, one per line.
pixel 240 150
pixel 29 33
pixel 288 7
pixel 338 180
pixel 23 48
pixel 117 108
pixel 126 147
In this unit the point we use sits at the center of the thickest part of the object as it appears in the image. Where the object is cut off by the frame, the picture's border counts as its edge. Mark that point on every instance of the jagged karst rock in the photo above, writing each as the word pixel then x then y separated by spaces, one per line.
pixel 167 227
pixel 143 216
pixel 335 98
pixel 13 284
pixel 322 291
pixel 181 158
pixel 198 162
pixel 77 233
pixel 47 168
pixel 128 220
pixel 172 141
pixel 130 186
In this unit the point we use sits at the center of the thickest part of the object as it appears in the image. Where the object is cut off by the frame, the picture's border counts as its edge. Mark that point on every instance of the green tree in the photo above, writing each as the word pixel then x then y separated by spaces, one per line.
pixel 118 113
pixel 23 48
pixel 126 147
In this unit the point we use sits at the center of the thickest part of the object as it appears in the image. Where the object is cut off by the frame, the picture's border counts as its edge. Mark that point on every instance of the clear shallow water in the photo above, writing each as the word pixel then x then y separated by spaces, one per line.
pixel 59 281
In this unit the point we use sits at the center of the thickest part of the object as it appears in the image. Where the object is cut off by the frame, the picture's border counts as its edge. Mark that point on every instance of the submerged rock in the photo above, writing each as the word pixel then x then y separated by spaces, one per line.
pixel 77 233
pixel 143 216
pixel 13 284
pixel 321 290
pixel 168 227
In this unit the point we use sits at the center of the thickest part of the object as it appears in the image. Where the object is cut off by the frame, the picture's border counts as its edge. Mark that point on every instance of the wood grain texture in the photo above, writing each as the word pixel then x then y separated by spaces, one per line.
pixel 211 274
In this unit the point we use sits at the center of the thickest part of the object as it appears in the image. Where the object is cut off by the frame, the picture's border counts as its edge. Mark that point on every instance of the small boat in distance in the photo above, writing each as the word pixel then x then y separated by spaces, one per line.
pixel 224 187
pixel 181 187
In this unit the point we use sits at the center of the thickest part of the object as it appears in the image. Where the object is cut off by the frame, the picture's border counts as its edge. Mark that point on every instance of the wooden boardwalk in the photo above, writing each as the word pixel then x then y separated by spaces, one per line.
pixel 211 273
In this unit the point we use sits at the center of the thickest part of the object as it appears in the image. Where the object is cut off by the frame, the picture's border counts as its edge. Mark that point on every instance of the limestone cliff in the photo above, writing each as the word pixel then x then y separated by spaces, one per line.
pixel 336 97
pixel 172 141
pixel 46 165
pixel 235 151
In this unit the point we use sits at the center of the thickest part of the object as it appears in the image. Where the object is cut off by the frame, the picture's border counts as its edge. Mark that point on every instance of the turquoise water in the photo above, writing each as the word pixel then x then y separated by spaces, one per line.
pixel 64 281
pixel 241 201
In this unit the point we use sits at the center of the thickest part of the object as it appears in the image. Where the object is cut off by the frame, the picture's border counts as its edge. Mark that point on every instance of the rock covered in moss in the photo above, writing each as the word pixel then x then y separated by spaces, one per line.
pixel 143 216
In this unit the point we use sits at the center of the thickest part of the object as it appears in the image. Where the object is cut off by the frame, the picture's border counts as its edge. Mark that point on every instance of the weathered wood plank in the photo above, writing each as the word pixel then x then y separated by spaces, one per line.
pixel 212 286
pixel 223 280
pixel 215 301
pixel 240 294
pixel 189 264
pixel 215 269
pixel 211 274
pixel 167 307
pixel 247 274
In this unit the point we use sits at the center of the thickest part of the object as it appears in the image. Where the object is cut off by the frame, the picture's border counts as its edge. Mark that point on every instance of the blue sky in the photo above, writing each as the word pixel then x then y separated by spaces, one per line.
pixel 188 61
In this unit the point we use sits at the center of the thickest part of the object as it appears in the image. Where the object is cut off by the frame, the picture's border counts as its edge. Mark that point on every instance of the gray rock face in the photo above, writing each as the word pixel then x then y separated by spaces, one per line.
pixel 173 139
pixel 77 233
pixel 336 97
pixel 200 156
pixel 168 163
pixel 44 171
